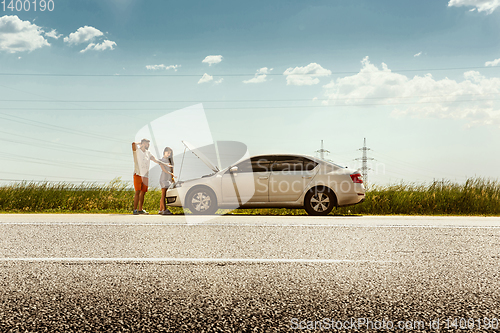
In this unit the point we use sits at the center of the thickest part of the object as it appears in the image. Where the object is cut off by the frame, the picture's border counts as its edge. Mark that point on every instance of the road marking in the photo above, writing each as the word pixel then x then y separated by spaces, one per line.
pixel 194 260
pixel 250 225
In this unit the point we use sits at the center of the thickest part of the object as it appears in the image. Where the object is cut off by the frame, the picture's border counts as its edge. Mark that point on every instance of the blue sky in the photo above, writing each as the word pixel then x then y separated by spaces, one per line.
pixel 419 79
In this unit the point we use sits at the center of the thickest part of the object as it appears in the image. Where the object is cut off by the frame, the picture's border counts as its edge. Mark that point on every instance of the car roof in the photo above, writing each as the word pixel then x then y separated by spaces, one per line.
pixel 318 160
pixel 281 154
pixel 294 155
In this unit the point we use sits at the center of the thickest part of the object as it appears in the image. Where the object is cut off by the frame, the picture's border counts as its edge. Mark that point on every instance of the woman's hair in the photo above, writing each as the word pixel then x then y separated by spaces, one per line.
pixel 168 149
pixel 171 157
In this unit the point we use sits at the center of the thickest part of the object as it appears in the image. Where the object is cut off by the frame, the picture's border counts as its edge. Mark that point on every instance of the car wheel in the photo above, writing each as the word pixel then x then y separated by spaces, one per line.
pixel 201 200
pixel 319 201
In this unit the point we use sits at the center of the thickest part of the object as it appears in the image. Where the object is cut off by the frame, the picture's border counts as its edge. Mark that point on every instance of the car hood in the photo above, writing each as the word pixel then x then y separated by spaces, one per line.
pixel 202 157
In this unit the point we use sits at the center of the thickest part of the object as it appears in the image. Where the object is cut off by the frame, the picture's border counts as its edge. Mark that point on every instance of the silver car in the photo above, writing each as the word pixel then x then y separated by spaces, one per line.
pixel 270 181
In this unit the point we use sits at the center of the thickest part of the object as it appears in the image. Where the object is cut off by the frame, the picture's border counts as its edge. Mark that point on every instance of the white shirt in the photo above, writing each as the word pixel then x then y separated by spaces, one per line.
pixel 141 162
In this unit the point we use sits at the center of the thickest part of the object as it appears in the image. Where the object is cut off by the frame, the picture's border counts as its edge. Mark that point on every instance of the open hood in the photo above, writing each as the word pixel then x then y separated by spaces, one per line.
pixel 202 157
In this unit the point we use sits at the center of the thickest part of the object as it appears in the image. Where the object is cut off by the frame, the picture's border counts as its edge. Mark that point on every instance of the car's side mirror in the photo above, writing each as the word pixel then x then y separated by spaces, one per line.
pixel 233 169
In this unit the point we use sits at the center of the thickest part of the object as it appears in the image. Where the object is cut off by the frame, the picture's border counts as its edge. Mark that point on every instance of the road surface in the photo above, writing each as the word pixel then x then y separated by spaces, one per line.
pixel 124 273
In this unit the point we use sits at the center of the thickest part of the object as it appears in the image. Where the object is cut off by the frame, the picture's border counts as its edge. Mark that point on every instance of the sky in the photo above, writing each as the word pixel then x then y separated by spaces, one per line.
pixel 420 80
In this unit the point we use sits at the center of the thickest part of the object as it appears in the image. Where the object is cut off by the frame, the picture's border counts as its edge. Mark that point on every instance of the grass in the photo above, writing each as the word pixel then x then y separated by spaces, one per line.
pixel 477 196
pixel 45 197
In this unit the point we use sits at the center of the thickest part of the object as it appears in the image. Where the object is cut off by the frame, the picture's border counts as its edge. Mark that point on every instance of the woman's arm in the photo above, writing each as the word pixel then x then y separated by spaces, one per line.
pixel 162 166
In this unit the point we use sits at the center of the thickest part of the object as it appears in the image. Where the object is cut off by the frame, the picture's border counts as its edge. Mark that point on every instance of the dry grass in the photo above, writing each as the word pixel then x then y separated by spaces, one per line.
pixel 476 196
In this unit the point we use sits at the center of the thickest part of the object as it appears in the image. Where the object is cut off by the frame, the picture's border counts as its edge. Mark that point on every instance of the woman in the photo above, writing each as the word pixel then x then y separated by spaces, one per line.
pixel 166 178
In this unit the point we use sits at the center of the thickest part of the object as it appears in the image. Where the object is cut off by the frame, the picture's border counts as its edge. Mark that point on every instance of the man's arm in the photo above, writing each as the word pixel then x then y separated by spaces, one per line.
pixel 166 171
pixel 160 162
pixel 162 166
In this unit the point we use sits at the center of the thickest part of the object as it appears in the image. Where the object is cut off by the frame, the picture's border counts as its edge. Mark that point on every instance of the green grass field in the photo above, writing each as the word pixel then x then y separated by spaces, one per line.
pixel 476 196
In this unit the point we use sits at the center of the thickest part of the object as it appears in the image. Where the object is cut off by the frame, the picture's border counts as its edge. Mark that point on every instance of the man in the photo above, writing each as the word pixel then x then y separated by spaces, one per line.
pixel 142 157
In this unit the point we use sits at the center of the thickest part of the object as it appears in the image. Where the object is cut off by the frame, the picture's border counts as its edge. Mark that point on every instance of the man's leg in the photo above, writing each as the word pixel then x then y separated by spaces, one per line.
pixel 144 189
pixel 162 200
pixel 137 188
pixel 141 199
pixel 136 199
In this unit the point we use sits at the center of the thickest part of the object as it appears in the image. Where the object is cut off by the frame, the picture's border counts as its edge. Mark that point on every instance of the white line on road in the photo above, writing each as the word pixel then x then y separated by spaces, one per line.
pixel 444 226
pixel 193 260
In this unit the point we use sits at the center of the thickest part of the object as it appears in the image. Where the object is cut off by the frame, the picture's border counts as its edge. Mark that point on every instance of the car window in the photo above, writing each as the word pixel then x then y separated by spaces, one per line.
pixel 261 163
pixel 255 164
pixel 293 163
pixel 309 164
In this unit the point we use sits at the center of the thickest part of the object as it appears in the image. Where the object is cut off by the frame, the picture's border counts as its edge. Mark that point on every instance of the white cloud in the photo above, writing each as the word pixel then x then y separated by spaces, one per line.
pixel 418 54
pixel 205 78
pixel 256 79
pixel 260 76
pixel 212 59
pixel 105 45
pixel 162 66
pixel 53 34
pixel 264 70
pixel 492 63
pixel 19 36
pixel 89 47
pixel 82 35
pixel 420 96
pixel 487 6
pixel 219 81
pixel 305 76
pixel 88 34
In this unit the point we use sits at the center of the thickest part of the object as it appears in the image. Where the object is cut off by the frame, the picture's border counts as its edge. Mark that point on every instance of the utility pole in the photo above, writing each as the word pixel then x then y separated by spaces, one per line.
pixel 322 151
pixel 364 159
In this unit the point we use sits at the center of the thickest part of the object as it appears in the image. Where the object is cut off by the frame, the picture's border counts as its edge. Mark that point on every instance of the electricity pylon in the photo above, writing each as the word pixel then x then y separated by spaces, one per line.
pixel 322 151
pixel 364 160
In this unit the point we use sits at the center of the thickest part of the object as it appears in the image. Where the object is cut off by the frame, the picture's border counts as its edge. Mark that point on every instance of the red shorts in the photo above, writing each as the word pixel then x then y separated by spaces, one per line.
pixel 140 183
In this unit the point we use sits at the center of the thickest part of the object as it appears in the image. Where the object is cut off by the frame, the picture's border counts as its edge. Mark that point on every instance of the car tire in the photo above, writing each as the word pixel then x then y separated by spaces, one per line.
pixel 319 201
pixel 202 200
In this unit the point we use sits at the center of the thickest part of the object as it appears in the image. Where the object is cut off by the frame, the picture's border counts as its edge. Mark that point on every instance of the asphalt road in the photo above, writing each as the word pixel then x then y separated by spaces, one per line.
pixel 124 273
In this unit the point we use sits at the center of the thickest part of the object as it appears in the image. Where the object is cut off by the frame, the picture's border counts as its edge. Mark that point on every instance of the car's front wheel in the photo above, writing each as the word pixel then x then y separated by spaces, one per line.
pixel 319 201
pixel 201 200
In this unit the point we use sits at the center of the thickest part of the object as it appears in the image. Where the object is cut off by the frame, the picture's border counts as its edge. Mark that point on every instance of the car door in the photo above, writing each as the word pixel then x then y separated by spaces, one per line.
pixel 249 182
pixel 289 177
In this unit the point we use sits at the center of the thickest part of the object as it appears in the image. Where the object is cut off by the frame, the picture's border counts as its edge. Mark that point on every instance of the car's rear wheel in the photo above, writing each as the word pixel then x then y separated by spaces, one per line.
pixel 319 201
pixel 202 200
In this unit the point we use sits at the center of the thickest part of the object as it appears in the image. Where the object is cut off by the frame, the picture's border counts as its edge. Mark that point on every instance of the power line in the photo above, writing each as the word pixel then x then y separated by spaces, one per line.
pixel 65 147
pixel 32 175
pixel 419 168
pixel 59 128
pixel 47 99
pixel 250 107
pixel 83 181
pixel 238 74
pixel 240 100
pixel 19 158
pixel 65 150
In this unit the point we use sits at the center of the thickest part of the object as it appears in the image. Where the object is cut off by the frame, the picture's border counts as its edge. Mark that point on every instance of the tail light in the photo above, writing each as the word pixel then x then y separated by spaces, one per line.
pixel 356 178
